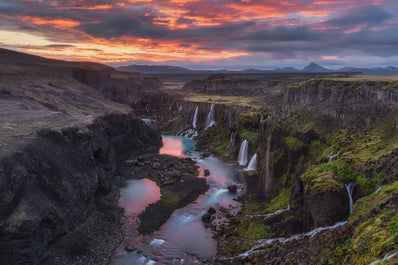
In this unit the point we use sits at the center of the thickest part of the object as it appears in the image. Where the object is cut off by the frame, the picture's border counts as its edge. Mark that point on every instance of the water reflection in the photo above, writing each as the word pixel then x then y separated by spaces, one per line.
pixel 176 145
pixel 183 239
pixel 137 194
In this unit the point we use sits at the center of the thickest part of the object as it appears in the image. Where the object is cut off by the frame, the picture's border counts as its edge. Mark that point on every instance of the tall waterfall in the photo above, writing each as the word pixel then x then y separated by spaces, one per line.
pixel 267 177
pixel 211 119
pixel 195 118
pixel 242 157
pixel 350 187
pixel 253 163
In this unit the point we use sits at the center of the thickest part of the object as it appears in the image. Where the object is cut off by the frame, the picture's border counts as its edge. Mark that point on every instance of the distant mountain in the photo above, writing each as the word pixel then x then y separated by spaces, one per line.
pixel 159 69
pixel 315 68
pixel 311 68
pixel 389 70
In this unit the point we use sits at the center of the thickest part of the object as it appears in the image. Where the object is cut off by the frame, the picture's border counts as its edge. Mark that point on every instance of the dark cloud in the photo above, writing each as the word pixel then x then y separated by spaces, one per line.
pixel 283 33
pixel 119 25
pixel 364 14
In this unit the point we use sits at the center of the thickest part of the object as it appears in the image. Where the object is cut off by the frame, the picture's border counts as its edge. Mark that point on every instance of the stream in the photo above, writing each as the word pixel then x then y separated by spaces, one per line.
pixel 183 239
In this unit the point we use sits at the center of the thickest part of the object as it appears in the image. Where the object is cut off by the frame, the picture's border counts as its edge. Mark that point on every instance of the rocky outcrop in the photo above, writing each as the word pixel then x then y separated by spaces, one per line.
pixel 174 113
pixel 115 86
pixel 346 101
pixel 48 187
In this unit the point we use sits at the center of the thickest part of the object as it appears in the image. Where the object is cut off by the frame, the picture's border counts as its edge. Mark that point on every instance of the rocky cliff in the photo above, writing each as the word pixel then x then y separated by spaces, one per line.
pixel 61 139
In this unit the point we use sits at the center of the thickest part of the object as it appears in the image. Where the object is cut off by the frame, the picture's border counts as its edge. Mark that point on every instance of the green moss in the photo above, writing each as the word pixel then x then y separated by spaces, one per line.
pixel 169 198
pixel 393 226
pixel 321 183
pixel 257 230
pixel 375 227
pixel 293 143
pixel 279 202
pixel 248 134
pixel 250 207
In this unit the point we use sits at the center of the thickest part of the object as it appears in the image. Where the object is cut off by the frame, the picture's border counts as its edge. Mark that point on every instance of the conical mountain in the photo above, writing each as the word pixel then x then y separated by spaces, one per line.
pixel 315 68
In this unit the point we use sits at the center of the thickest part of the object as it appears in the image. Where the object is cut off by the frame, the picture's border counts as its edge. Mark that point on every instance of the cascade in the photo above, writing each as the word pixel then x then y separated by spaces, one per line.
pixel 242 157
pixel 350 187
pixel 267 177
pixel 261 118
pixel 231 141
pixel 252 164
pixel 195 118
pixel 211 120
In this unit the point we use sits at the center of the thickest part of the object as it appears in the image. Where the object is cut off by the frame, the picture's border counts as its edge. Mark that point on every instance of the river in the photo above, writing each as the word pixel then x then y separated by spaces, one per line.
pixel 183 239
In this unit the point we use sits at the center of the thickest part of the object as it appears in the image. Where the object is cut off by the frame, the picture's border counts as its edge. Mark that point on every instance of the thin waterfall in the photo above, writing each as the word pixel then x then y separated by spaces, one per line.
pixel 252 164
pixel 350 187
pixel 195 118
pixel 231 141
pixel 242 157
pixel 211 119
pixel 267 177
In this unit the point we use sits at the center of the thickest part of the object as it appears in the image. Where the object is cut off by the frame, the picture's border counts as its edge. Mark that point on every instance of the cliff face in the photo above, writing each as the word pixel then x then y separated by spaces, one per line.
pixel 48 188
pixel 345 101
pixel 61 136
pixel 119 87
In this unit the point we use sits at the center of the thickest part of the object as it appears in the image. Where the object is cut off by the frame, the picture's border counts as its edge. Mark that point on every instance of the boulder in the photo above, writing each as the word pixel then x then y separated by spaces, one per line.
pixel 233 188
pixel 206 172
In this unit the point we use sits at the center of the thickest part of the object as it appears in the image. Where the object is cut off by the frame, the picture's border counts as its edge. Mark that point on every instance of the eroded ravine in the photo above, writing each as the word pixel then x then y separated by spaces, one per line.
pixel 183 239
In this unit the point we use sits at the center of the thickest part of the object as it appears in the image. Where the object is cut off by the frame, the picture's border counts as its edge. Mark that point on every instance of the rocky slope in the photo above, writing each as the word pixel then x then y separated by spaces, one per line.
pixel 61 139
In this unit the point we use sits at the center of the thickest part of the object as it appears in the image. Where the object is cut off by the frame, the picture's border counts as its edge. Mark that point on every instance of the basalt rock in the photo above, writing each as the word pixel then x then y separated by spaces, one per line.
pixel 49 186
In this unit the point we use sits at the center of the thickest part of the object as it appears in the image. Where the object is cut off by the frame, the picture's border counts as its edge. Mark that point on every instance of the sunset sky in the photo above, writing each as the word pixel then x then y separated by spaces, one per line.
pixel 207 34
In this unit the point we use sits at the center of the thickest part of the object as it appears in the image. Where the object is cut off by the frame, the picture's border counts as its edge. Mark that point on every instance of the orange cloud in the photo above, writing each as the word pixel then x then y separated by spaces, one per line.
pixel 57 23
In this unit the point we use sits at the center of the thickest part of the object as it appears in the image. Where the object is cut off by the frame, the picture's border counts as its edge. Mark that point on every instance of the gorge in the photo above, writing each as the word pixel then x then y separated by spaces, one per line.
pixel 320 187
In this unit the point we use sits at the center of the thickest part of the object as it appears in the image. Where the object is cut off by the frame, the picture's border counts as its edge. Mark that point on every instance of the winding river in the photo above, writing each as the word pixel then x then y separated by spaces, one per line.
pixel 183 239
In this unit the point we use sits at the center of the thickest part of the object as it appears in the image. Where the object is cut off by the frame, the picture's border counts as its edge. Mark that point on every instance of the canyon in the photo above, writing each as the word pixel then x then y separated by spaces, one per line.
pixel 323 189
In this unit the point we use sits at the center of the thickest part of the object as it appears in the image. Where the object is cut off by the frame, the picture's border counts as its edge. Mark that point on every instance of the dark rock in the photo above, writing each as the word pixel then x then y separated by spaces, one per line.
pixel 129 248
pixel 206 172
pixel 207 217
pixel 211 210
pixel 233 188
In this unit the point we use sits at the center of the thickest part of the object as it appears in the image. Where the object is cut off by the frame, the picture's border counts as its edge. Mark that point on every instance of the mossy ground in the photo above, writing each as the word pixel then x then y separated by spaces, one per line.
pixel 375 228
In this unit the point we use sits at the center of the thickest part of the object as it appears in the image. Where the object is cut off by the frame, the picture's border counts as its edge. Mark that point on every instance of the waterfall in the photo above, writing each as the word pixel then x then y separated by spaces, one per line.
pixel 242 157
pixel 267 177
pixel 231 141
pixel 252 164
pixel 195 118
pixel 350 187
pixel 261 118
pixel 211 120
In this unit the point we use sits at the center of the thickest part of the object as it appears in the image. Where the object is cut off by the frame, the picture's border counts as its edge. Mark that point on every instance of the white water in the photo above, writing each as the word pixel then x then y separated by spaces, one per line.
pixel 387 257
pixel 195 118
pixel 252 164
pixel 183 239
pixel 350 187
pixel 211 119
pixel 310 234
pixel 268 215
pixel 242 157
pixel 264 242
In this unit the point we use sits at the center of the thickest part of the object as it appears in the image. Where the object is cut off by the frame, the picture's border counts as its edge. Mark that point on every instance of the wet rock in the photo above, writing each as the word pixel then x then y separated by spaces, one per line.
pixel 233 188
pixel 129 248
pixel 206 172
pixel 207 217
pixel 156 165
pixel 211 210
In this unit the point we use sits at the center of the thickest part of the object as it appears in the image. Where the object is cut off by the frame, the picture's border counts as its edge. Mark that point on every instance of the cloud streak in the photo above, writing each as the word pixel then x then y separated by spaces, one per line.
pixel 195 33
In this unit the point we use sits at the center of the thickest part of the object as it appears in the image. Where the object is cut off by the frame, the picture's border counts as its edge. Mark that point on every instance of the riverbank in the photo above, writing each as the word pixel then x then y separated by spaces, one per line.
pixel 178 181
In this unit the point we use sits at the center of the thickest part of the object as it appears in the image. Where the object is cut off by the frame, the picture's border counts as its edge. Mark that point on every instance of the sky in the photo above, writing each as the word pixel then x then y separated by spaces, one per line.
pixel 205 34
